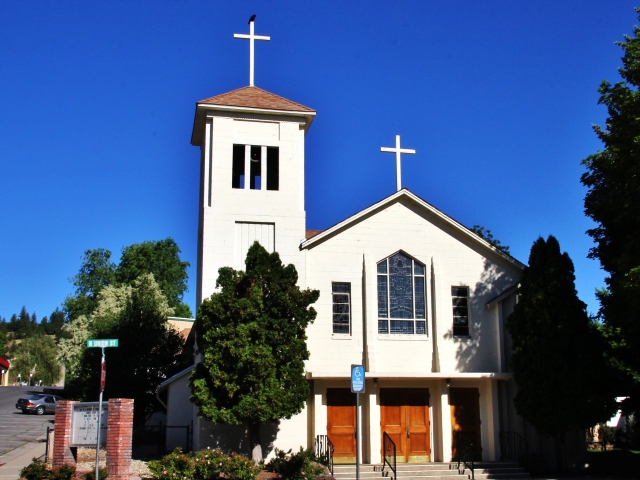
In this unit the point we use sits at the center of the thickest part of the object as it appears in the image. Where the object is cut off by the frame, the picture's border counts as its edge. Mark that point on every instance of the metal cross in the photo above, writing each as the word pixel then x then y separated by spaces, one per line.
pixel 397 151
pixel 251 37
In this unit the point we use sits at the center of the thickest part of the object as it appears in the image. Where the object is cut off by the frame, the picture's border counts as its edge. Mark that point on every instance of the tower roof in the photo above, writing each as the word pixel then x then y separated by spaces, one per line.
pixel 255 97
pixel 251 99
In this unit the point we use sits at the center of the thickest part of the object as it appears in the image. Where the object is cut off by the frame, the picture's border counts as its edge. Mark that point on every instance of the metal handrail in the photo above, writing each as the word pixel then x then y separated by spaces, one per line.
pixel 514 447
pixel 324 451
pixel 464 453
pixel 390 454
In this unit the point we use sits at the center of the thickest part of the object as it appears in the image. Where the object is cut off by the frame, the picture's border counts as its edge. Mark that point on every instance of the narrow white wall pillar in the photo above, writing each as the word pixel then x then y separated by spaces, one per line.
pixel 445 415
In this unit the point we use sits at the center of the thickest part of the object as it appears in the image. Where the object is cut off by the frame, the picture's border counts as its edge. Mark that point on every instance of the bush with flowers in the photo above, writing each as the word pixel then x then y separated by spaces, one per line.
pixel 302 465
pixel 209 464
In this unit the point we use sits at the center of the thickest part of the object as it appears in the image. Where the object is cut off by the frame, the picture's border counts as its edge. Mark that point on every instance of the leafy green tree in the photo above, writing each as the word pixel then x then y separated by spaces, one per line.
pixel 148 348
pixel 162 259
pixel 613 180
pixel 72 345
pixel 4 326
pixel 488 236
pixel 251 335
pixel 37 354
pixel 558 362
pixel 96 272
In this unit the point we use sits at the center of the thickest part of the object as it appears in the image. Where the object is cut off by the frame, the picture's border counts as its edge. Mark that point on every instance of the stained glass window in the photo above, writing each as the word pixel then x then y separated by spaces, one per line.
pixel 401 296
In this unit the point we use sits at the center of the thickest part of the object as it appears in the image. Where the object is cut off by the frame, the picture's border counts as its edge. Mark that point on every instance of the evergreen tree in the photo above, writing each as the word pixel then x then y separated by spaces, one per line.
pixel 3 343
pixel 613 180
pixel 252 337
pixel 558 361
pixel 21 325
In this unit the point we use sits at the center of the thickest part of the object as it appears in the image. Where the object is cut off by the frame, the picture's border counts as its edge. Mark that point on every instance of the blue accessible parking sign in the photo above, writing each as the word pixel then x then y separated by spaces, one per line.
pixel 357 379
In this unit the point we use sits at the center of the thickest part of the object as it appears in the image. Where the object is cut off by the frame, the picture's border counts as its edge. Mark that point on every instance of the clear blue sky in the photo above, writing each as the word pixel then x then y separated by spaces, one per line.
pixel 97 101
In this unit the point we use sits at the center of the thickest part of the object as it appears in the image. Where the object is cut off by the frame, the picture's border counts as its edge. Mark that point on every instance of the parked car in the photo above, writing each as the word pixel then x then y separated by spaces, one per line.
pixel 40 403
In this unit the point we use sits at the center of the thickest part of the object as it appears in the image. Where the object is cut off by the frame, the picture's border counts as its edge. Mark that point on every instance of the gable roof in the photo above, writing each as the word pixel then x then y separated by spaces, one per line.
pixel 405 193
pixel 251 100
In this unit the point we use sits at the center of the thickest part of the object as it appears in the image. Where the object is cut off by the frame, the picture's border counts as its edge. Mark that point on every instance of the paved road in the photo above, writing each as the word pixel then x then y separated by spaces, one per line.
pixel 16 428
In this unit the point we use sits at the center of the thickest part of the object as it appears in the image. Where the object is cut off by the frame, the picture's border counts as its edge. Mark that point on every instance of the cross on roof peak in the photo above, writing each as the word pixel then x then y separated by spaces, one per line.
pixel 398 151
pixel 251 37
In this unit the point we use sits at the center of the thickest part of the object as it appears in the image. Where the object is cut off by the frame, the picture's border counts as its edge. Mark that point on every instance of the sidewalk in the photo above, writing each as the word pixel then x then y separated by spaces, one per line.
pixel 12 462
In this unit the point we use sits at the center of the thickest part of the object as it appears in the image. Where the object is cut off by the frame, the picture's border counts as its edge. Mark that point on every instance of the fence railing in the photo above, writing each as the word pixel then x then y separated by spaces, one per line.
pixel 324 451
pixel 514 447
pixel 390 454
pixel 464 452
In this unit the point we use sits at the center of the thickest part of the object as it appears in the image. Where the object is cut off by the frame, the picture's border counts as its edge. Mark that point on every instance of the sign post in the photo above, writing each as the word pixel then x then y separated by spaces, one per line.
pixel 101 343
pixel 357 387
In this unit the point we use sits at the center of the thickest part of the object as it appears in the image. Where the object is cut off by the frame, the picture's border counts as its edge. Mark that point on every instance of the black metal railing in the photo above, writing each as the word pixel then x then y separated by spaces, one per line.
pixel 324 451
pixel 48 444
pixel 464 452
pixel 389 454
pixel 514 447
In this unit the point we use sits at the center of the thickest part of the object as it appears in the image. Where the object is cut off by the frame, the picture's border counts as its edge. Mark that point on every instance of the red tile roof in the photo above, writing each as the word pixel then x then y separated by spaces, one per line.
pixel 312 233
pixel 254 97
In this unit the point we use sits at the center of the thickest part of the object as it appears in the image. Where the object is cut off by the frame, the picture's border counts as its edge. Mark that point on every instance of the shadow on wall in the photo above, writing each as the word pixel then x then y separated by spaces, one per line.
pixel 478 352
pixel 235 438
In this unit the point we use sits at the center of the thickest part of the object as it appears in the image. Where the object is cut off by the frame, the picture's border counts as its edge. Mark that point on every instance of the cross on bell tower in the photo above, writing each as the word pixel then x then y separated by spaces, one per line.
pixel 398 151
pixel 251 37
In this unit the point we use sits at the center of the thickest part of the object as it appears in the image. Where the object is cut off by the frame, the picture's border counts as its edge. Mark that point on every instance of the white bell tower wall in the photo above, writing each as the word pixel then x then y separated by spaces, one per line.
pixel 251 188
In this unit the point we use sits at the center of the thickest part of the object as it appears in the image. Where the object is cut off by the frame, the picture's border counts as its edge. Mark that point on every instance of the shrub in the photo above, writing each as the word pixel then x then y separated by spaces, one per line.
pixel 35 470
pixel 38 470
pixel 102 473
pixel 209 464
pixel 295 466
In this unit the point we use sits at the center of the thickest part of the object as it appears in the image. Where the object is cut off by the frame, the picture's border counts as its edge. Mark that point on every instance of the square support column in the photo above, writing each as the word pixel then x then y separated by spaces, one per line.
pixel 62 452
pixel 119 439
pixel 375 446
pixel 445 415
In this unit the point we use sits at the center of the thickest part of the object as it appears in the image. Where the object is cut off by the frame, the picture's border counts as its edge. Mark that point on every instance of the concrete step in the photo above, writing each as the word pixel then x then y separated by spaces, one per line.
pixel 433 471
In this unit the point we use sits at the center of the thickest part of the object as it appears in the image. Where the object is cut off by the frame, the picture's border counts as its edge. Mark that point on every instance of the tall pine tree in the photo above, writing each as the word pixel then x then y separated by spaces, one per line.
pixel 558 362
pixel 613 180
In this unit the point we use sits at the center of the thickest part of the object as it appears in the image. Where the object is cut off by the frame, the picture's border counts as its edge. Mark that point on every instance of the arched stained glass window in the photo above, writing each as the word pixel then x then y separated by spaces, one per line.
pixel 401 296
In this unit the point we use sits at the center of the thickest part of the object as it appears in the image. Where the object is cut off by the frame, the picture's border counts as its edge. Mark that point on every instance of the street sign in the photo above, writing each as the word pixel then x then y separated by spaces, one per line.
pixel 102 343
pixel 357 379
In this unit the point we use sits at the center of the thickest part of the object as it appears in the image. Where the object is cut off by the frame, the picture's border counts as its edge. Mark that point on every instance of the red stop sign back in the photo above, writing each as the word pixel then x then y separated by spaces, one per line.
pixel 103 376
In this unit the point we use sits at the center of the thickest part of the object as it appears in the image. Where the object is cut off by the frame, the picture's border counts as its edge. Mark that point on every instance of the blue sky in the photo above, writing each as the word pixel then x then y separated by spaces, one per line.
pixel 97 101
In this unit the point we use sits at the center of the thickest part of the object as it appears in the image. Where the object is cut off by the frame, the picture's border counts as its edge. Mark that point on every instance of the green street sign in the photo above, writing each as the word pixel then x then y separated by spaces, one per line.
pixel 102 343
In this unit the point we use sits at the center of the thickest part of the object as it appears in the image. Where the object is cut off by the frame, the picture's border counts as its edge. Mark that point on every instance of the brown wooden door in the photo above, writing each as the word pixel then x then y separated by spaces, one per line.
pixel 341 423
pixel 404 416
pixel 465 418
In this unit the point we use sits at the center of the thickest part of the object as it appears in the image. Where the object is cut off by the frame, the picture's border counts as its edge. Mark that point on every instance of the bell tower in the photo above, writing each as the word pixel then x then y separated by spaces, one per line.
pixel 251 179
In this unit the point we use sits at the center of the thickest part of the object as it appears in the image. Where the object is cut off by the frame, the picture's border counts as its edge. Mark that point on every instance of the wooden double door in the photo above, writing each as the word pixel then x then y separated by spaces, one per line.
pixel 465 419
pixel 341 424
pixel 404 416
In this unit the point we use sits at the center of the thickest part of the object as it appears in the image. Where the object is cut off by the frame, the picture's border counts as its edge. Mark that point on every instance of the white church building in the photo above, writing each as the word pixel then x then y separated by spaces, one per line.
pixel 405 290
